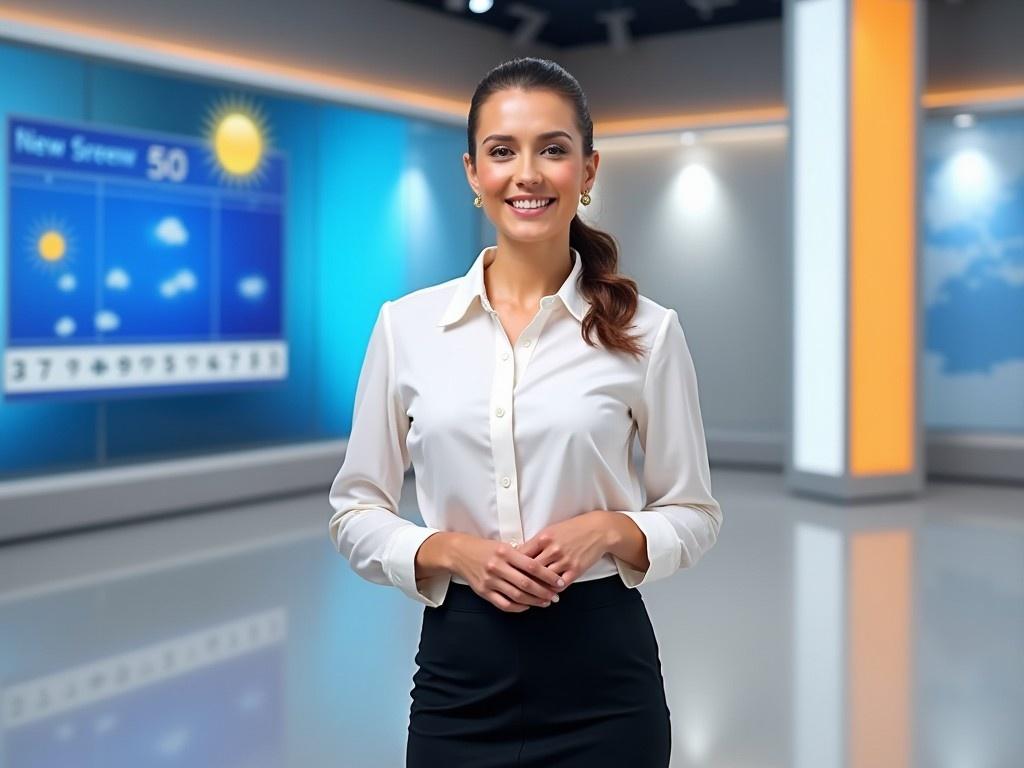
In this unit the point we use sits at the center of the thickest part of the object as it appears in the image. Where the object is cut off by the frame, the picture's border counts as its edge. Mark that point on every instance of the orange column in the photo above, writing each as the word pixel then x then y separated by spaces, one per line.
pixel 882 289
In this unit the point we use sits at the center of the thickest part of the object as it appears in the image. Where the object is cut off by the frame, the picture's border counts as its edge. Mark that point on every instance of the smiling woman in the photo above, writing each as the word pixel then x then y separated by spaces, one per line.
pixel 536 649
pixel 537 145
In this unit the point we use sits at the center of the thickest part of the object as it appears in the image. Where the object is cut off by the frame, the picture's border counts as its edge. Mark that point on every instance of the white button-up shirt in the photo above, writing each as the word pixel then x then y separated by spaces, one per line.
pixel 506 440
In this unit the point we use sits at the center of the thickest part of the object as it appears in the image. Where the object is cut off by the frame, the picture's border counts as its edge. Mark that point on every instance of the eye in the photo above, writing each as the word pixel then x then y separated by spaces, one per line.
pixel 559 150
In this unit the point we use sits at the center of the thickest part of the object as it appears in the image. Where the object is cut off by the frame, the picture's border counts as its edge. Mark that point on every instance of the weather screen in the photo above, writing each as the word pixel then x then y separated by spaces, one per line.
pixel 142 262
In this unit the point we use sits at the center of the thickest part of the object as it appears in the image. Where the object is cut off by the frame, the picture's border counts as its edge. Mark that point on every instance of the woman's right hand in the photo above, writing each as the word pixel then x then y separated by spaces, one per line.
pixel 502 575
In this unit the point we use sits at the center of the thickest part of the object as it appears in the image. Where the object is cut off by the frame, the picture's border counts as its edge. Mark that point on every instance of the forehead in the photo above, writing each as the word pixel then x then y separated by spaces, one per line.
pixel 525 113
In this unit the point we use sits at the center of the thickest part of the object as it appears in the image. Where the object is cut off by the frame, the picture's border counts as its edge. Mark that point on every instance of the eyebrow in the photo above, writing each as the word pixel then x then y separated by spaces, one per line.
pixel 548 135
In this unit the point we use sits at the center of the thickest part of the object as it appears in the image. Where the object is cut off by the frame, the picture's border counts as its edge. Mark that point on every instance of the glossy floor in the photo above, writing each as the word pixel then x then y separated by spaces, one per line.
pixel 812 635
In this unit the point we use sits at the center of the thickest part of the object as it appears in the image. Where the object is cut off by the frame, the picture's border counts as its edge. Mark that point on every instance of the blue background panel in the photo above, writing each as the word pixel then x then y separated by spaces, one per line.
pixel 973 243
pixel 376 205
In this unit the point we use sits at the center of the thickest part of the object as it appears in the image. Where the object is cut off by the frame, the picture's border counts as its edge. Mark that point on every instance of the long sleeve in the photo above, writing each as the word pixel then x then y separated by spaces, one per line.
pixel 366 528
pixel 681 518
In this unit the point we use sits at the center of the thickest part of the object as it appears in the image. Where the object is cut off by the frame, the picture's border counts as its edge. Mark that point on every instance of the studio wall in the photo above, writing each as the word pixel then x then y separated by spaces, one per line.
pixel 702 229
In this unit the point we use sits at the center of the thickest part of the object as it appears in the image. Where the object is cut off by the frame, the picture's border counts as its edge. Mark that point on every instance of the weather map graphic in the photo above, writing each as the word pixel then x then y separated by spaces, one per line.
pixel 144 262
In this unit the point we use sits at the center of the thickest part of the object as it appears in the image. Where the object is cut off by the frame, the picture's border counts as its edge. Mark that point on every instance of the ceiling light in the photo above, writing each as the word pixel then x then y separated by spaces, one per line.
pixel 480 6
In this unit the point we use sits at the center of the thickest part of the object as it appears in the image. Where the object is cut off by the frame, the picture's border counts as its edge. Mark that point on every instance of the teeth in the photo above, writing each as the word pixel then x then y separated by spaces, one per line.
pixel 530 203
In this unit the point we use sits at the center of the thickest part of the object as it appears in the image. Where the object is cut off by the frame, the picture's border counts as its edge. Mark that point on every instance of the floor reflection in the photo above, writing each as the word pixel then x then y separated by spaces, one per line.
pixel 884 635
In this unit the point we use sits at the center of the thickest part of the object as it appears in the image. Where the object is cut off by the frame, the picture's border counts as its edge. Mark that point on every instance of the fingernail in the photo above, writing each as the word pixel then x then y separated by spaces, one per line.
pixel 547 604
pixel 561 582
pixel 554 599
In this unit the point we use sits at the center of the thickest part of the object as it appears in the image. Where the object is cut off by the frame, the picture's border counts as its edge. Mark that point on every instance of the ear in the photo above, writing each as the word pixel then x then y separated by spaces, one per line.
pixel 590 170
pixel 467 162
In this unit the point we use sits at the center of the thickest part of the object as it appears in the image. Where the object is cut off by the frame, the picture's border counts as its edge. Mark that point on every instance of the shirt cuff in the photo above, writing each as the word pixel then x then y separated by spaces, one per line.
pixel 662 549
pixel 400 565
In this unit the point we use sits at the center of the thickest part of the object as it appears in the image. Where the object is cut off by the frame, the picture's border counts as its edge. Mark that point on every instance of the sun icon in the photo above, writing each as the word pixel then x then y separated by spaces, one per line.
pixel 50 243
pixel 239 138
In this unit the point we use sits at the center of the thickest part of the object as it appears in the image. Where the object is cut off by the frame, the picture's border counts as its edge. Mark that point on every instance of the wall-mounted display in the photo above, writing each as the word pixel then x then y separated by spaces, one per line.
pixel 140 260
pixel 973 248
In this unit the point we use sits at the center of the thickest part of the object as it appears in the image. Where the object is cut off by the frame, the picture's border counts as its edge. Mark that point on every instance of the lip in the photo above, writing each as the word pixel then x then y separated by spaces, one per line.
pixel 531 213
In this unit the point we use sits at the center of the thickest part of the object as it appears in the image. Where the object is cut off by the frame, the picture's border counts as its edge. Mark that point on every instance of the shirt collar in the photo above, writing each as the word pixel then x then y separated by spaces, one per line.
pixel 471 286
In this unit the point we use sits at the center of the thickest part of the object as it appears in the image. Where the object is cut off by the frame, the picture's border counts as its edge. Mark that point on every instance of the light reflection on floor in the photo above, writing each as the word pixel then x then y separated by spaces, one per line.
pixel 813 636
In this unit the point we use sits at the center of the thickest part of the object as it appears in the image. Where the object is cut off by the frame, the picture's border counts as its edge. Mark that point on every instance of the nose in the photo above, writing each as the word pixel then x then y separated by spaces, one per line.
pixel 527 174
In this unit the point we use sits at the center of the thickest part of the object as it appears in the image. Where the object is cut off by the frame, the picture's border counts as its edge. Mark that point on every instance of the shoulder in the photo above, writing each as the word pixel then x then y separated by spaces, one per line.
pixel 652 319
pixel 423 306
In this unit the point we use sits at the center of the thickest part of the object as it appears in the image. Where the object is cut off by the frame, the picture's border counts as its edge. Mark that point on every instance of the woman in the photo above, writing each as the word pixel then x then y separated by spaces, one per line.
pixel 516 392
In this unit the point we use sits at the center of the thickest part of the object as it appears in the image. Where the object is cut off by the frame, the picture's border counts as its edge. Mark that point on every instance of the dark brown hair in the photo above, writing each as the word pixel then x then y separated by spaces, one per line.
pixel 613 297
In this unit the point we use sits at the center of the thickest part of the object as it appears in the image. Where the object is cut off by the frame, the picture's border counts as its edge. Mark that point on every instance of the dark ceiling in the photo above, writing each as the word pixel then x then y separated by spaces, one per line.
pixel 567 23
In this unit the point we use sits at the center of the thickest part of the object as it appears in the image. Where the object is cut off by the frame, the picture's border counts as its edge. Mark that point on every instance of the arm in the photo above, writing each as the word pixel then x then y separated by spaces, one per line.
pixel 625 540
pixel 681 519
pixel 366 528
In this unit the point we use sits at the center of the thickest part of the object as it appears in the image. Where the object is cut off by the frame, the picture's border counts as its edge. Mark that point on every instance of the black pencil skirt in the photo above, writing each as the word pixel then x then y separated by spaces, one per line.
pixel 575 685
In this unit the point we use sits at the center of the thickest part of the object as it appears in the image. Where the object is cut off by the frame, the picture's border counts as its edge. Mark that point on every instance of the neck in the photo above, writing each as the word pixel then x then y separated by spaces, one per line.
pixel 521 274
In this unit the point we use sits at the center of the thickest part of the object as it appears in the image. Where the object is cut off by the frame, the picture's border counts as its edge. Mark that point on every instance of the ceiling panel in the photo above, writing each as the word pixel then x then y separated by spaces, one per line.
pixel 568 23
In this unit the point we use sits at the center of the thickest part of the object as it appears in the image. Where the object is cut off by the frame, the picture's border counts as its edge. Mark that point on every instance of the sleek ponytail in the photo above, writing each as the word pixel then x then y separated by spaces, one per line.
pixel 612 296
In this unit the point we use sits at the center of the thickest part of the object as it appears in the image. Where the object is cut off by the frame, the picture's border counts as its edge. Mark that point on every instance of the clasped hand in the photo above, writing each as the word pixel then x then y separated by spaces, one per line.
pixel 516 578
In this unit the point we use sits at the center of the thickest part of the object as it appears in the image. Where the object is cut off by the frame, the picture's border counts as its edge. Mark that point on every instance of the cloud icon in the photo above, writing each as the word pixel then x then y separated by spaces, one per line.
pixel 64 327
pixel 171 231
pixel 107 320
pixel 252 287
pixel 184 280
pixel 67 282
pixel 118 280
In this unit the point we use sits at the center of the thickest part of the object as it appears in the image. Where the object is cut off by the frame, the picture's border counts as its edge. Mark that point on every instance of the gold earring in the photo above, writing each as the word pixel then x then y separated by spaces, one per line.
pixel 585 198
pixel 478 201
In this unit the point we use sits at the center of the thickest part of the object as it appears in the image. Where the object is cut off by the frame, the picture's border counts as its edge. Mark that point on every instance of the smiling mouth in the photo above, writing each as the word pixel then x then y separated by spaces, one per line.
pixel 531 205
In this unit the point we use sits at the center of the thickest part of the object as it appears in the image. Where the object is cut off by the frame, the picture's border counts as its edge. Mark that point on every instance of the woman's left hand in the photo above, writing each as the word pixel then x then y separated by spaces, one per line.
pixel 570 547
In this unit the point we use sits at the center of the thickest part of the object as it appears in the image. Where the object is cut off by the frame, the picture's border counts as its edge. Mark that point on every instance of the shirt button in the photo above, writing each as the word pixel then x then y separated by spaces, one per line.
pixel 506 482
pixel 499 412
pixel 504 355
pixel 526 343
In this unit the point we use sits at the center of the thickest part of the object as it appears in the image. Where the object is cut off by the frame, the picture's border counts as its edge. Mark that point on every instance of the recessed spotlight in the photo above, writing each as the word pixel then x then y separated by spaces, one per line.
pixel 963 120
pixel 480 6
